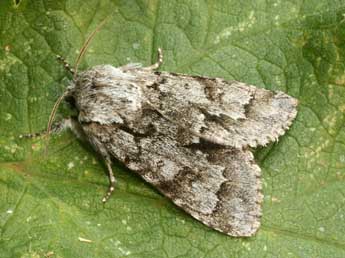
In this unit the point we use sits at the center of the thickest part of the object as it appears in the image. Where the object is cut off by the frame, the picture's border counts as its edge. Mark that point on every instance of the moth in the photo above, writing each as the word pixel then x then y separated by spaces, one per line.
pixel 189 136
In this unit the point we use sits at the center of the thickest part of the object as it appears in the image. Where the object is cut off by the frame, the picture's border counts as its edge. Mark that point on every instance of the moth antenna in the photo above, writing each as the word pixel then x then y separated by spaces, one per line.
pixel 86 45
pixel 53 112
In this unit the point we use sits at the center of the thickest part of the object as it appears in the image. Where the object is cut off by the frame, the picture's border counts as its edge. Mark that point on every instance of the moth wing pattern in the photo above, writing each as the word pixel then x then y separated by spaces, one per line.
pixel 228 113
pixel 225 112
pixel 219 186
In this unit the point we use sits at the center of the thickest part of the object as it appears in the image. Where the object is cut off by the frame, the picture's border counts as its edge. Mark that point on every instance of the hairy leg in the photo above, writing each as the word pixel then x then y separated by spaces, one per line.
pixel 73 124
pixel 112 180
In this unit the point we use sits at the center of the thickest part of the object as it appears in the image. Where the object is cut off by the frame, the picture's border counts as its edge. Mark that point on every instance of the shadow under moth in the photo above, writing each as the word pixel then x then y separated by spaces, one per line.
pixel 189 136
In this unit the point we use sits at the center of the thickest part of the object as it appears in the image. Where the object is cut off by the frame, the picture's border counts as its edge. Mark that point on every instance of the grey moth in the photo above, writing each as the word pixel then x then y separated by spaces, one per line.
pixel 189 136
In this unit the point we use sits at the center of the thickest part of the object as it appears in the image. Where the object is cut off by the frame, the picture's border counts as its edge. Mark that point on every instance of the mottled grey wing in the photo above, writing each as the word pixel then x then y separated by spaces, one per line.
pixel 219 186
pixel 225 112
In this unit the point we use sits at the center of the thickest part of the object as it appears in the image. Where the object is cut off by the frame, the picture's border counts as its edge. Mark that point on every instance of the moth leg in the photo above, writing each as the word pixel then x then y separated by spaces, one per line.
pixel 65 64
pixel 112 180
pixel 159 62
pixel 58 127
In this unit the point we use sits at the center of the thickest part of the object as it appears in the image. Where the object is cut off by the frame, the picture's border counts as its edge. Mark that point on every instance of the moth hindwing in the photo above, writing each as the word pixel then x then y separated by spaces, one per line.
pixel 189 136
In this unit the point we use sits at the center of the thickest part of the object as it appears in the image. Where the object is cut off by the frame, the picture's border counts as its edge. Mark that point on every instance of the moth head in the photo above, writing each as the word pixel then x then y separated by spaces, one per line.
pixel 69 90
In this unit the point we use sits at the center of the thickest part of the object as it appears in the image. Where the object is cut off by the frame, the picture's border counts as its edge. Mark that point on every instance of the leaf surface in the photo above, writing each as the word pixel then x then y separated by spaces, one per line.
pixel 49 201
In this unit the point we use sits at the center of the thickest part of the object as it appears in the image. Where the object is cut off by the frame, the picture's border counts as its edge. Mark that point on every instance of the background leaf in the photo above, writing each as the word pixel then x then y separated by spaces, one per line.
pixel 49 201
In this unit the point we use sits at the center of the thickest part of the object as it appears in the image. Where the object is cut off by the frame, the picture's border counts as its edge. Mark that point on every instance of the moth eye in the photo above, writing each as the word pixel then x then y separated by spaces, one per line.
pixel 71 101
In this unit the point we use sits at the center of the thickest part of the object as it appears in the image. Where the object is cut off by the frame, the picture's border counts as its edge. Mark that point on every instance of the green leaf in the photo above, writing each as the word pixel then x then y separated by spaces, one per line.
pixel 51 200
